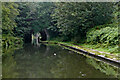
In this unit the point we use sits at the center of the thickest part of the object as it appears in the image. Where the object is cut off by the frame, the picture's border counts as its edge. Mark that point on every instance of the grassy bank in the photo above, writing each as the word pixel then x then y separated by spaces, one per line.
pixel 93 49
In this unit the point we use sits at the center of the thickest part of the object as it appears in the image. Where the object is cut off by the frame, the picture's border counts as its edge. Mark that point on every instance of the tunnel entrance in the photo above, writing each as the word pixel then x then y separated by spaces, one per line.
pixel 43 35
pixel 27 38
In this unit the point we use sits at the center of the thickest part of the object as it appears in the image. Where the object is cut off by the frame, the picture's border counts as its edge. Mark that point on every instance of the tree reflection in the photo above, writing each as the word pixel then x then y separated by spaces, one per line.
pixel 8 62
pixel 40 62
pixel 103 67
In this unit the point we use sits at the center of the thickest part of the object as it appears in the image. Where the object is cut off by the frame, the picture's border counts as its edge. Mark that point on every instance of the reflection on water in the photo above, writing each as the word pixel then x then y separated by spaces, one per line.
pixel 103 67
pixel 52 61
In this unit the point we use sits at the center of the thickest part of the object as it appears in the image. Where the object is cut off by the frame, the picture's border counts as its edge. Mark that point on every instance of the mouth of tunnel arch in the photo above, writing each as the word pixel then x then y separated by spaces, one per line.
pixel 28 37
pixel 43 36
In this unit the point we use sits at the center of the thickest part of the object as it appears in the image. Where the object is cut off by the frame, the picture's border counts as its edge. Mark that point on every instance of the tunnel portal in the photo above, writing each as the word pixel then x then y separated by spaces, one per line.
pixel 27 38
pixel 43 35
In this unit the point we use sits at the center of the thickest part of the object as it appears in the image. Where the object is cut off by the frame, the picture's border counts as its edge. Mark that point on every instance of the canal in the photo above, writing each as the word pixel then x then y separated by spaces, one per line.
pixel 53 61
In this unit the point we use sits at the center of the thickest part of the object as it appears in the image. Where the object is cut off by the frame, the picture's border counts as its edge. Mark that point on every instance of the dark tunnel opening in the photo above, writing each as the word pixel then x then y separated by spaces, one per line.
pixel 27 38
pixel 43 35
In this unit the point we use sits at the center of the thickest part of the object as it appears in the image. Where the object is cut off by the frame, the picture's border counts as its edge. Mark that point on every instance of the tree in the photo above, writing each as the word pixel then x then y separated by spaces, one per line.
pixel 75 19
pixel 9 12
pixel 34 16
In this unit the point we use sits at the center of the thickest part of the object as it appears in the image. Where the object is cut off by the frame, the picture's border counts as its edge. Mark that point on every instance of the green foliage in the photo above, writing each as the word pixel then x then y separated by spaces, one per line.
pixel 92 22
pixel 33 17
pixel 107 35
pixel 73 20
pixel 9 12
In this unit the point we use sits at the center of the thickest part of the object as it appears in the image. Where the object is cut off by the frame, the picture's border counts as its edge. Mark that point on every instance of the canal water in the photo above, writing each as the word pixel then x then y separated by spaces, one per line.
pixel 52 61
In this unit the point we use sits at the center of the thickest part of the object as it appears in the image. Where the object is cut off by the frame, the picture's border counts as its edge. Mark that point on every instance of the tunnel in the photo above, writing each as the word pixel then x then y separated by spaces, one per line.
pixel 43 35
pixel 27 38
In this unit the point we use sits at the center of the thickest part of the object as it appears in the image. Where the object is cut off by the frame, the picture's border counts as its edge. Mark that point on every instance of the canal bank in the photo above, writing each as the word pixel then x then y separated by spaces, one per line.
pixel 106 57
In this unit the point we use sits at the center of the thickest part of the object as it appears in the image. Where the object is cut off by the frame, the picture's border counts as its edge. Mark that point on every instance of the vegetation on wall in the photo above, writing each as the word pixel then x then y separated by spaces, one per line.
pixel 33 17
pixel 91 23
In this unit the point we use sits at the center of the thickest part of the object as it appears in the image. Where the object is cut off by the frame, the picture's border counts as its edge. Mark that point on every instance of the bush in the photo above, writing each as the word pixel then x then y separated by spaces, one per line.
pixel 104 35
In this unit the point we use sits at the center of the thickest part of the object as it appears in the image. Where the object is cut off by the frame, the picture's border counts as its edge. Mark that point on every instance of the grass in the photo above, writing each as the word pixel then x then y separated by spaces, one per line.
pixel 104 49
